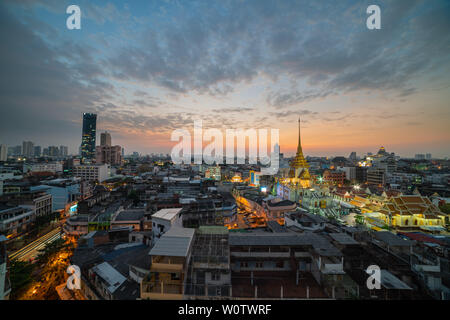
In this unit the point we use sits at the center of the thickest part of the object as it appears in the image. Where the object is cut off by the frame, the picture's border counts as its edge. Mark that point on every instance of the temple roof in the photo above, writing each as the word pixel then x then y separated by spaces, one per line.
pixel 299 161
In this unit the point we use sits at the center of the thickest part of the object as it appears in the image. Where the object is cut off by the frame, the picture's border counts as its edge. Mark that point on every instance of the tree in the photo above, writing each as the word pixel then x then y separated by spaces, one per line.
pixel 20 276
pixel 133 196
pixel 445 208
pixel 49 250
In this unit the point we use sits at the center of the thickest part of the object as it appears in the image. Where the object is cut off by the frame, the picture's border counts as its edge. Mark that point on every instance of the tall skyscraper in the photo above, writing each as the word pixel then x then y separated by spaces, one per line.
pixel 63 151
pixel 105 139
pixel 3 152
pixel 37 151
pixel 27 149
pixel 88 136
pixel 53 151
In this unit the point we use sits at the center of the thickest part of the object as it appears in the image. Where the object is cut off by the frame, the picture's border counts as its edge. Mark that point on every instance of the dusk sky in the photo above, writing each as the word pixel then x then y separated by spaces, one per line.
pixel 150 67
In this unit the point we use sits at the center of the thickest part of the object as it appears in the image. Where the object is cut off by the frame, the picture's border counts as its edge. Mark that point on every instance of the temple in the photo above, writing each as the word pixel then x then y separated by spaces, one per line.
pixel 299 172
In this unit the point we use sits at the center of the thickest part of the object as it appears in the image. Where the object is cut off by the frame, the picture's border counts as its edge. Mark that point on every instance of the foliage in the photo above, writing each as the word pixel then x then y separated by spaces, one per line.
pixel 46 219
pixel 133 196
pixel 359 219
pixel 445 208
pixel 20 274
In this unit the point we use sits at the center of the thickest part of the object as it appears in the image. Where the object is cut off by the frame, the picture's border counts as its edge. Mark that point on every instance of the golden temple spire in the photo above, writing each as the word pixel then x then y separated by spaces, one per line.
pixel 299 161
pixel 299 147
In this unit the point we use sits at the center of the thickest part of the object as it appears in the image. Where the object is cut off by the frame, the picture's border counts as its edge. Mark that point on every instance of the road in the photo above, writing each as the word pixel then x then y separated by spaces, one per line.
pixel 31 250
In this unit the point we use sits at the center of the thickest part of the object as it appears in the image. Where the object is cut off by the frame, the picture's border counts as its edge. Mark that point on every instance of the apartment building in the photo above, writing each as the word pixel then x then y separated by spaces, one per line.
pixel 92 172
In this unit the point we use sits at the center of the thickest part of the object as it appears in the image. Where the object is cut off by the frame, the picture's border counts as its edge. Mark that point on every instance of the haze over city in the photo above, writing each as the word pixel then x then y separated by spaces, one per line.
pixel 149 68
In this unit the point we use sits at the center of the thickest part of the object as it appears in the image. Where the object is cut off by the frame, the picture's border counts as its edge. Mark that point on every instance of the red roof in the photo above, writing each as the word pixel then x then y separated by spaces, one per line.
pixel 421 237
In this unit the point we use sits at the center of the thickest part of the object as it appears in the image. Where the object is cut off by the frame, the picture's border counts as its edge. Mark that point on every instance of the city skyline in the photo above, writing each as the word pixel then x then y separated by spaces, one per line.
pixel 254 64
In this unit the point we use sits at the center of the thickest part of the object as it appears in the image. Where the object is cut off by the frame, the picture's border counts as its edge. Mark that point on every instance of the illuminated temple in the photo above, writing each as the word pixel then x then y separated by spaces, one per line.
pixel 296 177
pixel 299 172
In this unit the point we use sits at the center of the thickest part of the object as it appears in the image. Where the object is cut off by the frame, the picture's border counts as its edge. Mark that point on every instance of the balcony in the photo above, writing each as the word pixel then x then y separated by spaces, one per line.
pixel 152 288
pixel 246 254
pixel 167 264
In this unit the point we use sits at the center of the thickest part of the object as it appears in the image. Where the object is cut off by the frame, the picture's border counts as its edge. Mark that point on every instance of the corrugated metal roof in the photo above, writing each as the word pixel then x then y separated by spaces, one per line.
pixel 389 281
pixel 343 238
pixel 113 277
pixel 319 243
pixel 174 243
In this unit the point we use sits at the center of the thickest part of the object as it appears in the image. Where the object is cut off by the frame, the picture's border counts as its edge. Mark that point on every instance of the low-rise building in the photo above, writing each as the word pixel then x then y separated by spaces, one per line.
pixel 15 220
pixel 5 283
pixel 170 259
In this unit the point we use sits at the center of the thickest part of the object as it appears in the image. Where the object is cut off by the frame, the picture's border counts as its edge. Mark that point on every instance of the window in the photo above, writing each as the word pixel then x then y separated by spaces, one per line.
pixel 279 264
pixel 259 265
pixel 215 276
pixel 244 265
pixel 175 276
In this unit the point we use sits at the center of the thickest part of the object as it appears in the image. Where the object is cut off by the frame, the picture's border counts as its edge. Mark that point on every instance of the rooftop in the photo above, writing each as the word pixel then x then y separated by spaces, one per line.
pixel 389 281
pixel 167 214
pixel 392 239
pixel 174 243
pixel 112 277
pixel 342 238
pixel 130 214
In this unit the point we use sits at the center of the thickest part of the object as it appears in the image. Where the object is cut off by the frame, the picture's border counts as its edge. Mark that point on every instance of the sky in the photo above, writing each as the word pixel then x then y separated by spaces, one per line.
pixel 148 68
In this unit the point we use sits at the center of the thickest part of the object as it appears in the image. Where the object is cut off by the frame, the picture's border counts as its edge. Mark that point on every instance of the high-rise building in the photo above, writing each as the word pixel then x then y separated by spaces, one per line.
pixel 88 136
pixel 3 152
pixel 376 176
pixel 53 151
pixel 428 156
pixel 105 139
pixel 108 154
pixel 27 149
pixel 37 151
pixel 63 151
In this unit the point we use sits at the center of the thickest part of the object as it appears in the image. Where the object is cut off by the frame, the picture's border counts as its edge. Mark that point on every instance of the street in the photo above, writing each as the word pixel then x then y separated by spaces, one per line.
pixel 31 250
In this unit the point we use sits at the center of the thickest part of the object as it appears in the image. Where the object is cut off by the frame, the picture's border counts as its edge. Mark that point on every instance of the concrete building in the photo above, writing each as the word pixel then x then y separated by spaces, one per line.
pixel 15 220
pixel 164 219
pixel 53 167
pixel 3 152
pixel 170 259
pixel 92 172
pixel 5 283
pixel 105 139
pixel 65 193
pixel 27 149
pixel 108 154
pixel 376 176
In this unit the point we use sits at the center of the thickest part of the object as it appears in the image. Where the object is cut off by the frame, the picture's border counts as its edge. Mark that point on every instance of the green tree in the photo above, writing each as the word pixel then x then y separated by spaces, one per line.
pixel 445 208
pixel 133 196
pixel 20 274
